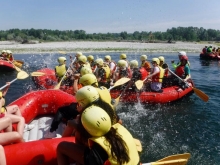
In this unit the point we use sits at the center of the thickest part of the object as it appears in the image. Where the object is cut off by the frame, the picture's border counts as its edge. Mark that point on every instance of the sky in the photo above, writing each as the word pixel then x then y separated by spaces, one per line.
pixel 113 16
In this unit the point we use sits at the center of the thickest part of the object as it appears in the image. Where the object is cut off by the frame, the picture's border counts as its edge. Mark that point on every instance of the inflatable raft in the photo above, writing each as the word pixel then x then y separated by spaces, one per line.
pixel 38 108
pixel 209 56
pixel 168 95
pixel 6 66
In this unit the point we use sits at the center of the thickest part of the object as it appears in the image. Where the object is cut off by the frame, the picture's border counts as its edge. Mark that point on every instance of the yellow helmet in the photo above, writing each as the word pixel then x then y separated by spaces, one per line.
pixel 61 60
pixel 78 54
pixel 90 58
pixel 86 95
pixel 108 57
pixel 3 51
pixel 134 64
pixel 85 70
pixel 123 56
pixel 82 59
pixel 161 58
pixel 122 63
pixel 143 57
pixel 99 61
pixel 156 60
pixel 88 79
pixel 96 121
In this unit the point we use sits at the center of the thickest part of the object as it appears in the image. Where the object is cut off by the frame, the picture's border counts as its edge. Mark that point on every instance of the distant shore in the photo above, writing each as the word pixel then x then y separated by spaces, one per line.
pixel 89 46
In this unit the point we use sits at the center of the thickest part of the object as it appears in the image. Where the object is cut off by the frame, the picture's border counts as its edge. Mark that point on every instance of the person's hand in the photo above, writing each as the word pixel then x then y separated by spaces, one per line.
pixel 76 76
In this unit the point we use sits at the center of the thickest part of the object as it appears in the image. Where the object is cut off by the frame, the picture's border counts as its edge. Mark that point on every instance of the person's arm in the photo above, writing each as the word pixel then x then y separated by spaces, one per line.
pixel 187 72
pixel 156 70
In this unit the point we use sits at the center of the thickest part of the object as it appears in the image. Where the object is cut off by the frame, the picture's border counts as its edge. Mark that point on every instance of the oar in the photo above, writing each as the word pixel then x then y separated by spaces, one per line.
pixel 198 92
pixel 58 85
pixel 20 75
pixel 17 68
pixel 19 61
pixel 40 74
pixel 139 83
pixel 179 159
pixel 119 82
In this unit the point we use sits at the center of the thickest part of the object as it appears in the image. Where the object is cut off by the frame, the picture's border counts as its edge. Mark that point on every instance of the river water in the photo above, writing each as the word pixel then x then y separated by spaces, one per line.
pixel 189 125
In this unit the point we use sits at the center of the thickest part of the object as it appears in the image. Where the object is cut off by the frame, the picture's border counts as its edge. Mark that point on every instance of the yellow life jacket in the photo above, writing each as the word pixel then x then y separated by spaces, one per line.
pixel 2 110
pixel 107 72
pixel 129 140
pixel 162 71
pixel 60 70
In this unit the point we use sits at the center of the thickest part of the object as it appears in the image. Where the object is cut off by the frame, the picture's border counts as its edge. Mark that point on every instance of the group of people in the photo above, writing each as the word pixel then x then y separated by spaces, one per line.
pixel 7 55
pixel 155 73
pixel 8 116
pixel 211 50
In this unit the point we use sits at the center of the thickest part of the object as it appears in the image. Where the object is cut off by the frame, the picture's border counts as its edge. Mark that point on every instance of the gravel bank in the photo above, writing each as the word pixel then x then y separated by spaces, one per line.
pixel 85 46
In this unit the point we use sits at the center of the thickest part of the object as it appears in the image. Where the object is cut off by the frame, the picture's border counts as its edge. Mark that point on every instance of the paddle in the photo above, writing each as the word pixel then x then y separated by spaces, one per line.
pixel 121 81
pixel 17 68
pixel 139 83
pixel 179 159
pixel 20 75
pixel 198 92
pixel 40 74
pixel 59 84
pixel 18 63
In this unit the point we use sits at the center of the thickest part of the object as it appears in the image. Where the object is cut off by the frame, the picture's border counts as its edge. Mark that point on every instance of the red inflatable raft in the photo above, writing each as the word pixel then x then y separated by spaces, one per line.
pixel 6 66
pixel 38 108
pixel 168 95
pixel 209 56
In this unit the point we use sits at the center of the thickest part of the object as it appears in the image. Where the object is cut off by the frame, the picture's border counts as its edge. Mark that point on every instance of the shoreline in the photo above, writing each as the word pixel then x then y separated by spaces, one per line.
pixel 108 46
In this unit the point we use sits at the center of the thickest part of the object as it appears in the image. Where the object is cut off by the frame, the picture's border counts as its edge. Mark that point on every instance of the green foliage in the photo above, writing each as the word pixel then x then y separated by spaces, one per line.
pixel 176 34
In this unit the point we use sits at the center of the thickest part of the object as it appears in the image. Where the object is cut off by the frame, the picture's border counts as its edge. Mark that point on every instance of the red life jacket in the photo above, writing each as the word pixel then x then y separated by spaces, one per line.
pixel 180 70
pixel 144 73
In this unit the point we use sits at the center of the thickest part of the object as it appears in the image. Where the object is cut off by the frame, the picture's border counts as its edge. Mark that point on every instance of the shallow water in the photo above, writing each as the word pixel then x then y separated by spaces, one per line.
pixel 189 125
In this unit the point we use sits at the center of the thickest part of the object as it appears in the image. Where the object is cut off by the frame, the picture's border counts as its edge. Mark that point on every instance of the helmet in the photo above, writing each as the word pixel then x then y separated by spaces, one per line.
pixel 123 56
pixel 96 121
pixel 85 70
pixel 156 60
pixel 107 57
pixel 86 95
pixel 8 52
pixel 82 59
pixel 122 63
pixel 90 58
pixel 88 79
pixel 78 54
pixel 161 58
pixel 61 60
pixel 134 64
pixel 184 58
pixel 99 61
pixel 3 51
pixel 182 53
pixel 143 57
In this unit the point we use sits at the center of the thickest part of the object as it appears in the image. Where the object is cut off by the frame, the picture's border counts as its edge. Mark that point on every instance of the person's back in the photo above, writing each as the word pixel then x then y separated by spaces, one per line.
pixel 145 63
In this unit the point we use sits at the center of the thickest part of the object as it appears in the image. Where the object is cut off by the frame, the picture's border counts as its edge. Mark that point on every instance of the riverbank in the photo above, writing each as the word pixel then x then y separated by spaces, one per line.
pixel 88 46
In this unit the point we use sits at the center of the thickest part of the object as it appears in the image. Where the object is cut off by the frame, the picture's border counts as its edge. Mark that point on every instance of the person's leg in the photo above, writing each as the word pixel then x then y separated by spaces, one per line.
pixel 5 124
pixel 13 109
pixel 66 150
pixel 2 156
pixel 10 137
pixel 17 119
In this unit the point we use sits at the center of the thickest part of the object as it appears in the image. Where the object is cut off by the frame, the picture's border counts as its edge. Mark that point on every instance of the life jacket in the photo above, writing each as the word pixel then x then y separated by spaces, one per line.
pixel 180 71
pixel 146 65
pixel 125 73
pixel 106 77
pixel 129 141
pixel 159 76
pixel 60 70
pixel 3 108
pixel 144 73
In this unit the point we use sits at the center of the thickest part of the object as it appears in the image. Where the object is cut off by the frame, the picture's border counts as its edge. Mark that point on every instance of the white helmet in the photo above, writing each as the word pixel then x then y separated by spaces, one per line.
pixel 182 53
pixel 143 57
pixel 134 64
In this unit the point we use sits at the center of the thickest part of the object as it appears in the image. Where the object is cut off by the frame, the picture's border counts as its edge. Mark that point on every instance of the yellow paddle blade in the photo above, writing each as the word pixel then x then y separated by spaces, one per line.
pixel 201 94
pixel 17 64
pixel 18 69
pixel 19 61
pixel 175 157
pixel 121 81
pixel 22 75
pixel 62 52
pixel 171 162
pixel 139 84
pixel 38 74
pixel 117 101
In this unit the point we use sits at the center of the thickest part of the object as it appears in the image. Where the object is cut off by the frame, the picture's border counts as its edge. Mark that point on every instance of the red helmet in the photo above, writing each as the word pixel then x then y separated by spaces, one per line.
pixel 184 58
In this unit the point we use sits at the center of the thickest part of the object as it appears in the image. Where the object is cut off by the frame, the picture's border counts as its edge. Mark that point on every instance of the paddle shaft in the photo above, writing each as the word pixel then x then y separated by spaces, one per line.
pixel 7 84
pixel 177 76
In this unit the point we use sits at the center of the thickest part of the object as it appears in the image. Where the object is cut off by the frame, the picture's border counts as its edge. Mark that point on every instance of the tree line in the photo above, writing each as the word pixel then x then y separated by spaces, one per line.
pixel 173 34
